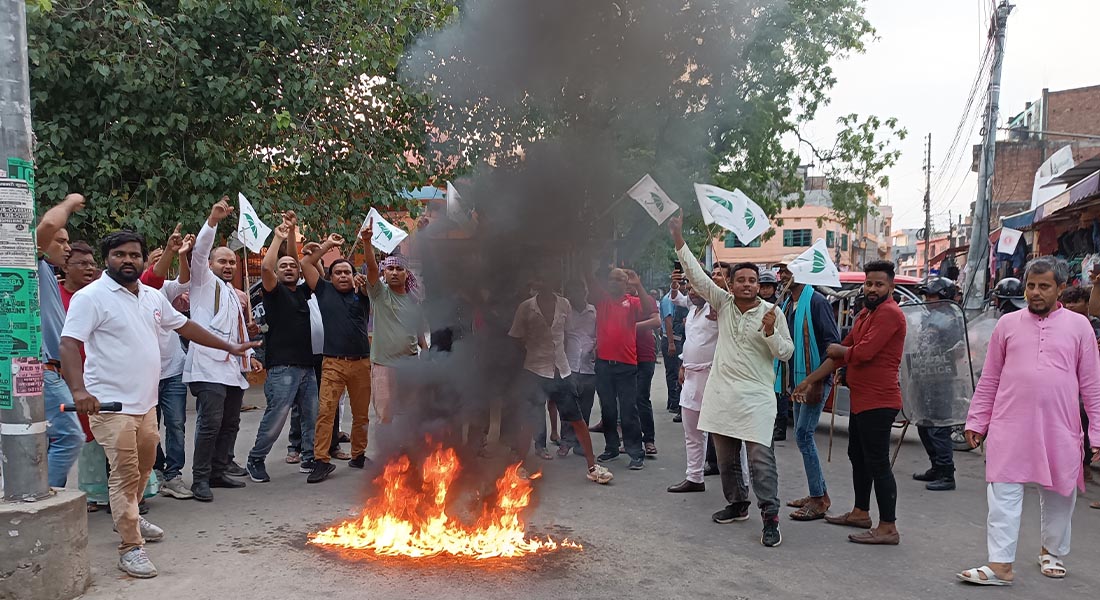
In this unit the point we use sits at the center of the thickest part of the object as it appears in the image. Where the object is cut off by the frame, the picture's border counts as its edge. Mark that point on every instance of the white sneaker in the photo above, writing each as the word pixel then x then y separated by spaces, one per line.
pixel 600 474
pixel 136 563
pixel 150 532
pixel 176 488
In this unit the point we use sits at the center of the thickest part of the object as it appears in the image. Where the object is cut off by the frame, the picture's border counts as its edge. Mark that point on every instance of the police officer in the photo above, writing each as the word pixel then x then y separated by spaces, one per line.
pixel 940 331
pixel 768 284
pixel 1008 295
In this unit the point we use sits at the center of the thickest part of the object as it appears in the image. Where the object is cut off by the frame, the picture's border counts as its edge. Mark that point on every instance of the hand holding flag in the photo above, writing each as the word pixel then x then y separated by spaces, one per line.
pixel 814 267
pixel 734 211
pixel 251 231
pixel 385 235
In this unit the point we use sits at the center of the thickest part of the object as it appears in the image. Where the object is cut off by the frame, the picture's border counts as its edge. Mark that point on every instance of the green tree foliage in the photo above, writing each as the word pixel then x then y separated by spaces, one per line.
pixel 154 109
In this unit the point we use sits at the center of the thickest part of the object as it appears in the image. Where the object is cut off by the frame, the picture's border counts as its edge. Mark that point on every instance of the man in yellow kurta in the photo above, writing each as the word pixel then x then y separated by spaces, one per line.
pixel 739 400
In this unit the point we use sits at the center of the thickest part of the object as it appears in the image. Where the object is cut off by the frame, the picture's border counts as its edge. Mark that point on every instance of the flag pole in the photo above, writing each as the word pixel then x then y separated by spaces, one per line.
pixel 247 284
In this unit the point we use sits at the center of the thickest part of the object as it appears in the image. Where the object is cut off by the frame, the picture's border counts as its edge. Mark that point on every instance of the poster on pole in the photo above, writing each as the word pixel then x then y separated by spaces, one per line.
pixel 17 243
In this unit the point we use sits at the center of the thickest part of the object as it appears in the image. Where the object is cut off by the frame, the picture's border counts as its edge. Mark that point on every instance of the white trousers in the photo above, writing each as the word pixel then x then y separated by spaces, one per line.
pixel 1006 504
pixel 695 444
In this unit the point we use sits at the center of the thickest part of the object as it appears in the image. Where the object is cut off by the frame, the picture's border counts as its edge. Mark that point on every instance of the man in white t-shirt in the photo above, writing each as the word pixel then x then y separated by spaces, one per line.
pixel 116 320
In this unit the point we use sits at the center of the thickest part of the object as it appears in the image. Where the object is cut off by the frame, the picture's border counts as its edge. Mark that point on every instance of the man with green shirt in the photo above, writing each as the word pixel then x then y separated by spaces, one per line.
pixel 399 324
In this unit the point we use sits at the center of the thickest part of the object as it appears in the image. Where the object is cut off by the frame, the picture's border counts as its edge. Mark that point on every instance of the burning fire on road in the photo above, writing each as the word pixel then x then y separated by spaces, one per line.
pixel 408 517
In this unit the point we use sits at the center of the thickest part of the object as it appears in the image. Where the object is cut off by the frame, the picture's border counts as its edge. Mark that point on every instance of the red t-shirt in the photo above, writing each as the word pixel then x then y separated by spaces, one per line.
pixel 874 357
pixel 66 297
pixel 646 342
pixel 616 326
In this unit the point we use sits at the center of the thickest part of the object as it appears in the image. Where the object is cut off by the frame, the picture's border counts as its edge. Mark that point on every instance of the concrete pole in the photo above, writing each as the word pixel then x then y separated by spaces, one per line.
pixel 977 259
pixel 22 411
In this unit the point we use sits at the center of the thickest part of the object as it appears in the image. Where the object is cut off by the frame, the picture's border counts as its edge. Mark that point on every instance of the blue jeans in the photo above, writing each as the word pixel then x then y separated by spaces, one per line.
pixel 806 417
pixel 172 412
pixel 287 386
pixel 63 430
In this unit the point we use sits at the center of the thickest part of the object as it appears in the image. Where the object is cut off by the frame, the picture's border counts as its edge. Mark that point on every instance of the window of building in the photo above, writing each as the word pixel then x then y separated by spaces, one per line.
pixel 794 238
pixel 732 241
pixel 830 239
pixel 844 241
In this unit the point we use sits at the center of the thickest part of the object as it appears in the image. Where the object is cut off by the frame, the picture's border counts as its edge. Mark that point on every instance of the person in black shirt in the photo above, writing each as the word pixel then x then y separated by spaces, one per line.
pixel 345 308
pixel 288 357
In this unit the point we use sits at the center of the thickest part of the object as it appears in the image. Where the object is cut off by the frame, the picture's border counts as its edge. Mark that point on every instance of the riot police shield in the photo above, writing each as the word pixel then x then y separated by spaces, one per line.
pixel 979 331
pixel 936 376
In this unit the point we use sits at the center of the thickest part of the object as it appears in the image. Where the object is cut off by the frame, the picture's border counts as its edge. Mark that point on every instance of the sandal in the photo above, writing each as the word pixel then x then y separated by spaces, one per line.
pixel 800 502
pixel 563 450
pixel 975 576
pixel 1095 504
pixel 809 512
pixel 1051 566
pixel 93 507
pixel 650 449
pixel 293 458
pixel 341 455
pixel 343 438
pixel 846 520
pixel 544 454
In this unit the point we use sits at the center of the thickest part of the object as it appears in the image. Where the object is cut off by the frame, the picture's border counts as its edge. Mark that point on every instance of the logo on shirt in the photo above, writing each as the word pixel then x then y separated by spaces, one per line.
pixel 626 303
pixel 156 315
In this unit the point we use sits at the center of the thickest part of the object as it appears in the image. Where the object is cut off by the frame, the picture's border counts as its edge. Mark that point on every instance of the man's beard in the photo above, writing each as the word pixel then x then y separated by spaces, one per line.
pixel 123 278
pixel 1038 312
pixel 873 304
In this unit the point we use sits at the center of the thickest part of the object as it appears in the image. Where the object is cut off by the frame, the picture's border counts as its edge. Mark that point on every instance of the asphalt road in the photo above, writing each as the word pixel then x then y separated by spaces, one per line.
pixel 640 541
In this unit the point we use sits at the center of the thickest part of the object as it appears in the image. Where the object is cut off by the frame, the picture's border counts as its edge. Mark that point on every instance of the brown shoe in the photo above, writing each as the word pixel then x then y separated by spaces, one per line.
pixel 686 486
pixel 872 537
pixel 597 428
pixel 846 520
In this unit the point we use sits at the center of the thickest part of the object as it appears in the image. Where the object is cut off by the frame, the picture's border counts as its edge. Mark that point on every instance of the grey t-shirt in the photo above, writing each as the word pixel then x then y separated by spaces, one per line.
pixel 398 320
pixel 52 311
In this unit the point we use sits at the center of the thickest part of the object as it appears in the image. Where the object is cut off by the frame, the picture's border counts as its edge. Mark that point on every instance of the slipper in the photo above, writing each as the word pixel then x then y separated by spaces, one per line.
pixel 544 454
pixel 341 455
pixel 873 538
pixel 343 438
pixel 1095 504
pixel 975 576
pixel 248 407
pixel 800 502
pixel 845 520
pixel 1051 566
pixel 93 507
pixel 293 458
pixel 809 512
pixel 563 450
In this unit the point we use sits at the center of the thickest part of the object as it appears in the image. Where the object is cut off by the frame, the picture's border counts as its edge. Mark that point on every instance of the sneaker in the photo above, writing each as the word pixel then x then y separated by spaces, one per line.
pixel 637 464
pixel 358 462
pixel 257 471
pixel 730 514
pixel 150 532
pixel 600 474
pixel 679 418
pixel 606 456
pixel 321 471
pixel 136 563
pixel 306 466
pixel 176 488
pixel 235 470
pixel 771 537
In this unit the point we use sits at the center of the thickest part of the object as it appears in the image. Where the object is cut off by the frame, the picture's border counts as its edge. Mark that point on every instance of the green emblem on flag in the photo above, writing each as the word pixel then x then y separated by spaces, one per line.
pixel 252 226
pixel 726 204
pixel 750 219
pixel 820 262
pixel 660 204
pixel 383 230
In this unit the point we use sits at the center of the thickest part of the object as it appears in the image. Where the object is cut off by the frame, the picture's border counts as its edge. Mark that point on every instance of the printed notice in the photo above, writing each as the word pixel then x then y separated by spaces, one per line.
pixel 17 244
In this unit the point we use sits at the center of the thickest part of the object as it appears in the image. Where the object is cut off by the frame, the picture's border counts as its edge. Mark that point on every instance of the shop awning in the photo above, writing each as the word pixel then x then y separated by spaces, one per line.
pixel 949 252
pixel 1019 220
pixel 1082 190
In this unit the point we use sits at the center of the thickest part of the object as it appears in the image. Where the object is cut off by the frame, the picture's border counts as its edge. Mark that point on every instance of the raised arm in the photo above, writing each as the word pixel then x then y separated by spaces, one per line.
pixel 700 279
pixel 374 275
pixel 171 249
pixel 185 259
pixel 54 220
pixel 271 260
pixel 204 242
pixel 291 218
pixel 310 269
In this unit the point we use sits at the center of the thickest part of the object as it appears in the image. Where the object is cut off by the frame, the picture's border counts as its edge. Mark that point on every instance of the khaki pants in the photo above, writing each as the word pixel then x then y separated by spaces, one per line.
pixel 130 442
pixel 337 375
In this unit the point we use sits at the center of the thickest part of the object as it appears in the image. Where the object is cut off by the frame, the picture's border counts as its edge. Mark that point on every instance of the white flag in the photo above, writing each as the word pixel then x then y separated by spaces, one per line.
pixel 814 267
pixel 251 231
pixel 1010 238
pixel 734 211
pixel 387 236
pixel 653 199
pixel 455 211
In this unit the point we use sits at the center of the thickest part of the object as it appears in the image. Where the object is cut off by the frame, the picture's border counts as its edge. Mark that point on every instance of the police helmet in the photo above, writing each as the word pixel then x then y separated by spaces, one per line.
pixel 939 286
pixel 767 277
pixel 1009 293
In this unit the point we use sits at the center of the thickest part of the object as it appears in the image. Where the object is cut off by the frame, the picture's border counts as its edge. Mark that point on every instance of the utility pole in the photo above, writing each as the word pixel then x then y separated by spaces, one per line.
pixel 928 209
pixel 977 259
pixel 46 532
pixel 22 410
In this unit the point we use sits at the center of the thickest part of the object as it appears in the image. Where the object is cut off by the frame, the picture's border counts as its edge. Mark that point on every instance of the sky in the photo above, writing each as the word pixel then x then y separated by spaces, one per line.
pixel 920 70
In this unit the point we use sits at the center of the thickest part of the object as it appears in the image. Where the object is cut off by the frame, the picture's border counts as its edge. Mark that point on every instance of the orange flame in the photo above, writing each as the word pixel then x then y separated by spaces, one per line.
pixel 406 521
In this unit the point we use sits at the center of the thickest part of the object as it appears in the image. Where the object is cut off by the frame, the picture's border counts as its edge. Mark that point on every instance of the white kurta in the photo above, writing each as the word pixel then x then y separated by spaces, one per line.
pixel 739 400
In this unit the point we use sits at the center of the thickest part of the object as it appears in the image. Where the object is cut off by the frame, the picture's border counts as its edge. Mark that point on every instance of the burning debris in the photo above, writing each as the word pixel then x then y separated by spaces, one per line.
pixel 408 517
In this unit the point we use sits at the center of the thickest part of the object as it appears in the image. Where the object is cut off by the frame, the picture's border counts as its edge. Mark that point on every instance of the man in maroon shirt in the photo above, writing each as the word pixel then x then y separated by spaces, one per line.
pixel 872 353
pixel 646 344
pixel 619 316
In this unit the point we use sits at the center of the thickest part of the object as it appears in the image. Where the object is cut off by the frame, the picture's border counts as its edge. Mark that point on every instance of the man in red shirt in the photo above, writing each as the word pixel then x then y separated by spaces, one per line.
pixel 872 353
pixel 619 316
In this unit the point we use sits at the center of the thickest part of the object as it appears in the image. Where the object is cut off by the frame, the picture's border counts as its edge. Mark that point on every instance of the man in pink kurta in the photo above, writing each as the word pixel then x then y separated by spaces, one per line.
pixel 1042 363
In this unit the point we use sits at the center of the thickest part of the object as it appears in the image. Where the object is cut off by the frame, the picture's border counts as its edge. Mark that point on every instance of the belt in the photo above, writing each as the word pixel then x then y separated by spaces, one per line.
pixel 52 366
pixel 354 357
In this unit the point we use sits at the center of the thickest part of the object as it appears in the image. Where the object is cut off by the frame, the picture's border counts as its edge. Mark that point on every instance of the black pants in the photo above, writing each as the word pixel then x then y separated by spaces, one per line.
pixel 645 402
pixel 937 443
pixel 672 379
pixel 219 419
pixel 616 385
pixel 869 451
pixel 782 412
